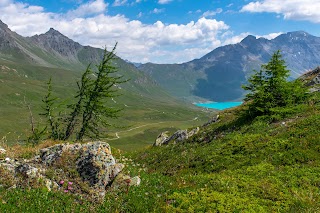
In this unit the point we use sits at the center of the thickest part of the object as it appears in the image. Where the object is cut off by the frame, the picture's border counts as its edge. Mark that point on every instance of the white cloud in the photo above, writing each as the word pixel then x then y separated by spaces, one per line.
pixel 5 2
pixel 164 1
pixel 235 39
pixel 270 36
pixel 88 9
pixel 157 10
pixel 230 39
pixel 157 42
pixel 291 9
pixel 211 13
pixel 119 2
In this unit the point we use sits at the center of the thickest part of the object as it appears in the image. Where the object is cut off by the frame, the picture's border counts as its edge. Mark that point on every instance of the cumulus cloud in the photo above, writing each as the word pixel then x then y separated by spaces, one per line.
pixel 307 10
pixel 88 9
pixel 158 42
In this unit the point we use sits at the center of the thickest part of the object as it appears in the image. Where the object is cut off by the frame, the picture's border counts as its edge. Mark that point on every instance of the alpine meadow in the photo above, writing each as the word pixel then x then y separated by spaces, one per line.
pixel 159 106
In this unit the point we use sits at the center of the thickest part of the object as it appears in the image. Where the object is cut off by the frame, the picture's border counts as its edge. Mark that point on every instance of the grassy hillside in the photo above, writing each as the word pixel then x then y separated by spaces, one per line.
pixel 230 166
pixel 177 79
pixel 146 107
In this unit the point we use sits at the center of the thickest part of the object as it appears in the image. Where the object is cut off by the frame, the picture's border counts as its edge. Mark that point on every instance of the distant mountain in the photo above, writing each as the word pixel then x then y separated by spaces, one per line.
pixel 218 75
pixel 26 64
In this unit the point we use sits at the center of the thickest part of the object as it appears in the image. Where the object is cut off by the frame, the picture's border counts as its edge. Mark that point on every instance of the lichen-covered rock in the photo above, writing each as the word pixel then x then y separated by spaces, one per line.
pixel 27 171
pixel 161 139
pixel 51 154
pixel 213 120
pixel 2 151
pixel 178 136
pixel 96 164
pixel 193 132
pixel 93 162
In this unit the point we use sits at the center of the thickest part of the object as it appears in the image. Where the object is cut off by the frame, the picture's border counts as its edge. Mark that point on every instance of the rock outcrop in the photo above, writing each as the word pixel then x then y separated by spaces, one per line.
pixel 312 79
pixel 213 120
pixel 177 137
pixel 161 139
pixel 93 163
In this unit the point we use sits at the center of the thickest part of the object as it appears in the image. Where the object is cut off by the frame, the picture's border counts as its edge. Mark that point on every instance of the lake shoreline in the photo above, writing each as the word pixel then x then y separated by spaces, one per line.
pixel 218 105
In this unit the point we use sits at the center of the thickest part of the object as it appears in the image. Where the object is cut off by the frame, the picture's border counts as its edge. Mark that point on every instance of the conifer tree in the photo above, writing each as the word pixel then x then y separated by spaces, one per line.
pixel 91 110
pixel 270 89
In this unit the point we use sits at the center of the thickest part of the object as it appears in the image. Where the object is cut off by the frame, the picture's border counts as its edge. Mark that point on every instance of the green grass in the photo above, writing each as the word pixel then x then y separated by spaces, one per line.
pixel 230 166
pixel 143 102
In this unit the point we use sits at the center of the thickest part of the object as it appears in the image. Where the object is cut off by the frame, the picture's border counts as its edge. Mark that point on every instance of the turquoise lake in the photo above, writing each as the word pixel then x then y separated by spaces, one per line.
pixel 219 105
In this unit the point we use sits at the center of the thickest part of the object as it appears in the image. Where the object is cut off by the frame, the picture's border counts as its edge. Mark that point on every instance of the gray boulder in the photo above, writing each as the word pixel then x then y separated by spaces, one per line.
pixel 96 165
pixel 213 120
pixel 51 154
pixel 178 136
pixel 193 132
pixel 27 171
pixel 161 139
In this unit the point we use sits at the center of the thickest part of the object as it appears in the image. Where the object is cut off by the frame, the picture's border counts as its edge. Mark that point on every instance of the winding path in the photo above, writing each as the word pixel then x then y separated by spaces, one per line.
pixel 138 127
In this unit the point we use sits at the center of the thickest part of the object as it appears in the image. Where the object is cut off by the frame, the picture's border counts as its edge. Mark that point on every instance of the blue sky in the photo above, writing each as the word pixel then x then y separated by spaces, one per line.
pixel 161 31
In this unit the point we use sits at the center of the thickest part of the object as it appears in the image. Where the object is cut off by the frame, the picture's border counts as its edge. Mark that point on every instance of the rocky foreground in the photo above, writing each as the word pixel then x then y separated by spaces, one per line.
pixel 88 169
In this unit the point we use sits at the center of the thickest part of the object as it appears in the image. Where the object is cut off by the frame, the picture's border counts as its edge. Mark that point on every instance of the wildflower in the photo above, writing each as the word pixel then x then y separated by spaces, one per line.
pixel 69 188
pixel 66 190
pixel 70 183
pixel 61 182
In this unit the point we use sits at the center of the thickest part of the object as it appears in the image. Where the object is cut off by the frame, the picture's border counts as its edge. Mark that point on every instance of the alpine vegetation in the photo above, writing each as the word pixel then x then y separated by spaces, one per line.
pixel 269 89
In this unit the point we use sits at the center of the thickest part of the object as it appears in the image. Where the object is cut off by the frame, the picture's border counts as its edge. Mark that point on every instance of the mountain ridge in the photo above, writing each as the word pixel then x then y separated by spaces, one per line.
pixel 219 74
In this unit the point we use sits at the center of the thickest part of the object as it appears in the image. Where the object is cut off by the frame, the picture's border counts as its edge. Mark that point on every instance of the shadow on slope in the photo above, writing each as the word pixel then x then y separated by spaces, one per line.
pixel 223 83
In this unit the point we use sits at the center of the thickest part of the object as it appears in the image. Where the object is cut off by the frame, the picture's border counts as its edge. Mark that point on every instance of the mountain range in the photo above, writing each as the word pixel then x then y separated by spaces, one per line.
pixel 27 63
pixel 218 75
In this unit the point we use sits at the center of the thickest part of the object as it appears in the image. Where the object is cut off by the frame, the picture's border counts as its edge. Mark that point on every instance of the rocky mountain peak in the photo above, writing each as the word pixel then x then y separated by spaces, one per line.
pixel 249 39
pixel 54 40
pixel 3 25
pixel 6 37
pixel 53 32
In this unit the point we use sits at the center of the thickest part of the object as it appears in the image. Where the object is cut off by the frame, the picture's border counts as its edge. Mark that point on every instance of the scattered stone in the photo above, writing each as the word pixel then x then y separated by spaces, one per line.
pixel 2 151
pixel 193 132
pixel 161 139
pixel 178 136
pixel 213 120
pixel 123 181
pixel 135 181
